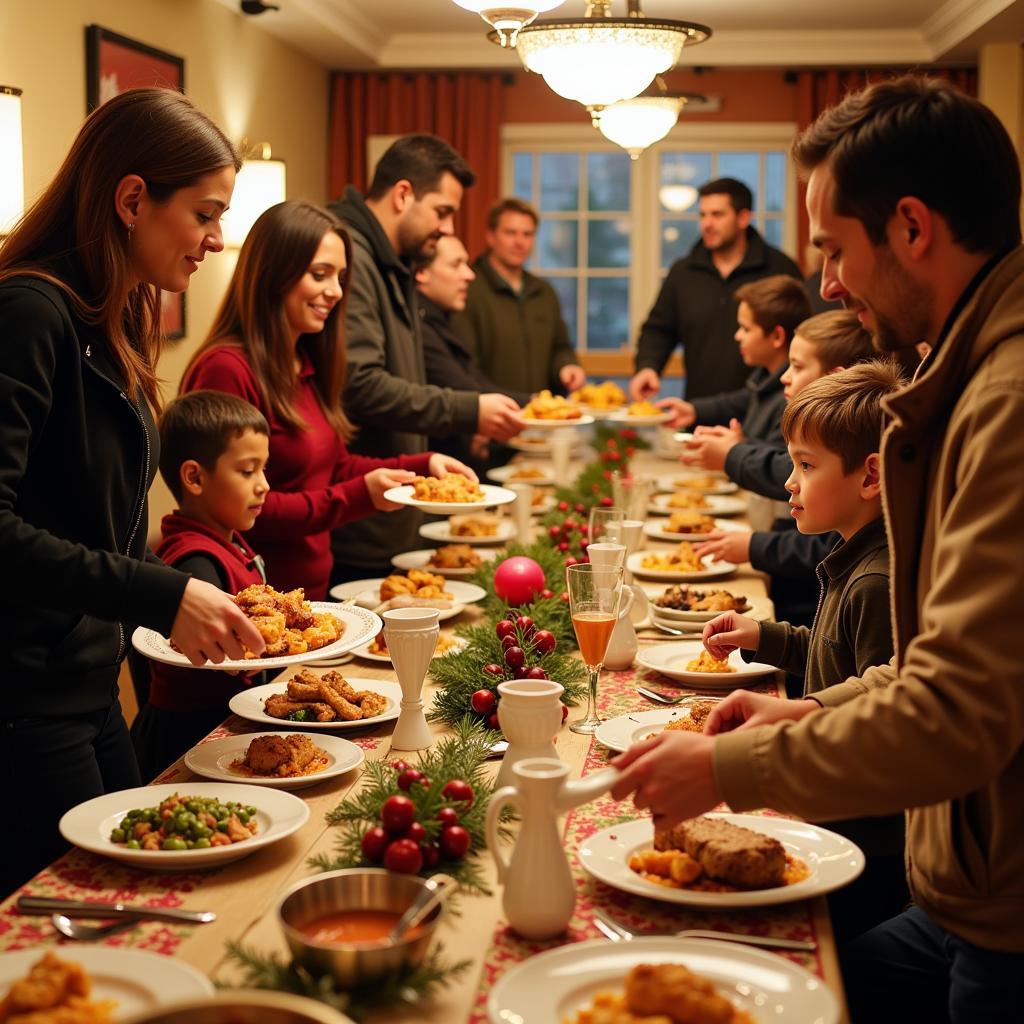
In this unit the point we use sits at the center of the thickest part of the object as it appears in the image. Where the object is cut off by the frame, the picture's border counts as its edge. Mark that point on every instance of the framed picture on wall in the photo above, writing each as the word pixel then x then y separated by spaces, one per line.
pixel 114 63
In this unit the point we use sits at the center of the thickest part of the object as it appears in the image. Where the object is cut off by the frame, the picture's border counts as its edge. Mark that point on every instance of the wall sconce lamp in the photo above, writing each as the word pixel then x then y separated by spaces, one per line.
pixel 259 185
pixel 12 175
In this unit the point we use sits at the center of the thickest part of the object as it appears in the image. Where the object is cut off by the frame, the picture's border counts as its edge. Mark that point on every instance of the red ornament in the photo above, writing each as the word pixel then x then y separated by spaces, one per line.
pixel 483 702
pixel 514 657
pixel 505 628
pixel 400 766
pixel 536 672
pixel 518 580
pixel 492 721
pixel 374 842
pixel 458 792
pixel 571 561
pixel 404 855
pixel 526 626
pixel 543 641
pixel 447 816
pixel 398 813
pixel 417 833
pixel 563 506
pixel 431 854
pixel 408 777
pixel 606 502
pixel 494 670
pixel 454 842
pixel 546 594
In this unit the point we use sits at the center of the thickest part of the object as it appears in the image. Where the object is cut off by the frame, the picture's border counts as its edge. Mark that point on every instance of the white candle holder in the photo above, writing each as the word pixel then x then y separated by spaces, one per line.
pixel 411 636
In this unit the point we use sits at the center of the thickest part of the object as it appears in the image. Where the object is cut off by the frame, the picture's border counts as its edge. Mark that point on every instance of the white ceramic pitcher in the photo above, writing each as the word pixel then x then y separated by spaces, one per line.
pixel 530 714
pixel 539 892
pixel 622 645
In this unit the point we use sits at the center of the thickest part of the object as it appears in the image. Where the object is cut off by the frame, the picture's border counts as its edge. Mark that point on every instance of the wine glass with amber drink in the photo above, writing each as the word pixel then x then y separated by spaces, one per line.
pixel 594 593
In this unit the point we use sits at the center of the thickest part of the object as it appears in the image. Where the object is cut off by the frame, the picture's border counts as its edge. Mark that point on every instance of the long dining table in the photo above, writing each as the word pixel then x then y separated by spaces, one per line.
pixel 244 894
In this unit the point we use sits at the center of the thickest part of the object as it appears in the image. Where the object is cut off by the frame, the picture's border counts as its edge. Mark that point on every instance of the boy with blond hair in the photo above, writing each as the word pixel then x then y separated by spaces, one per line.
pixel 833 432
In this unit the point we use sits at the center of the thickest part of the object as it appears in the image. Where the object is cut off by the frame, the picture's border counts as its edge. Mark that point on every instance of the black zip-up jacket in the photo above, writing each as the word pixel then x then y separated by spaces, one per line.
pixel 77 459
pixel 696 309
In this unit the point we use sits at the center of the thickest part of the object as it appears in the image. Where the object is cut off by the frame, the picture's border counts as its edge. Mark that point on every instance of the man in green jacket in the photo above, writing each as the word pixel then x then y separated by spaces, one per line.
pixel 922 239
pixel 513 323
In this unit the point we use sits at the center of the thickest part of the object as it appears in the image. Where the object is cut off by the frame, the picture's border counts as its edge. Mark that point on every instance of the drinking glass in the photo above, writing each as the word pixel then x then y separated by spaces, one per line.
pixel 594 593
pixel 631 494
pixel 604 525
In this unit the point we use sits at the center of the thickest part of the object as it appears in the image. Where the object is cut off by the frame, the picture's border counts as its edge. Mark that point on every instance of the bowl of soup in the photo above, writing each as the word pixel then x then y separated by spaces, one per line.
pixel 243 1007
pixel 338 923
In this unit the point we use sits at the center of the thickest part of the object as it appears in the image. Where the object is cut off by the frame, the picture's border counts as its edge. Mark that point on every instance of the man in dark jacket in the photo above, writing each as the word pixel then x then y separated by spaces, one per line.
pixel 416 190
pixel 696 307
pixel 442 283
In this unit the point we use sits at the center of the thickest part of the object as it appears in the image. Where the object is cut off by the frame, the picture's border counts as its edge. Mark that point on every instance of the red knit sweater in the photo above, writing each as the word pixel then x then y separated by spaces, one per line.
pixel 316 484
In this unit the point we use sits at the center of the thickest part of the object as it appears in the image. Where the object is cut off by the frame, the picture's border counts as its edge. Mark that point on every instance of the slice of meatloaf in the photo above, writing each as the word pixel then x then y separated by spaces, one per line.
pixel 728 852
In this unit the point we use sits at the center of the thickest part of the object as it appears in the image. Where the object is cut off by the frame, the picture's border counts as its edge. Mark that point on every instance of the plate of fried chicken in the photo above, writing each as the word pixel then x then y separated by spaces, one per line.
pixel 295 631
pixel 320 700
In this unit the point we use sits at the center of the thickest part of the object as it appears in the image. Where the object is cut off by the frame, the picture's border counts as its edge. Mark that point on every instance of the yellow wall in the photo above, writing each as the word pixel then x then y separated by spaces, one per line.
pixel 250 83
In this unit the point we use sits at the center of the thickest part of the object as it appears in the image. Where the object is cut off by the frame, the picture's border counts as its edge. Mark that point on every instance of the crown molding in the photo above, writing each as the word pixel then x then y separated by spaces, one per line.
pixel 956 20
pixel 724 49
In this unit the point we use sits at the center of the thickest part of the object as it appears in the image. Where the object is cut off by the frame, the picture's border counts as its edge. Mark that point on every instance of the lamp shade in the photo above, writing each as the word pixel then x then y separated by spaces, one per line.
pixel 260 184
pixel 508 17
pixel 638 123
pixel 12 176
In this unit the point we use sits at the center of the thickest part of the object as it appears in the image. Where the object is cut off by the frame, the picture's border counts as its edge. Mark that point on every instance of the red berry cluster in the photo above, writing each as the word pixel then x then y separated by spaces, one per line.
pixel 519 639
pixel 401 842
pixel 571 535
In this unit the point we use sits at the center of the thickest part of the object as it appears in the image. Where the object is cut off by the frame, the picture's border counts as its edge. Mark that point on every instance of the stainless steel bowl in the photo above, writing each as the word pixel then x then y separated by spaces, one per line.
pixel 243 1007
pixel 354 889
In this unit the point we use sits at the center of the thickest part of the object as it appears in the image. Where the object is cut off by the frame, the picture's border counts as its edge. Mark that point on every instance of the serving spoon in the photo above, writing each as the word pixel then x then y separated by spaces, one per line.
pixel 435 889
pixel 90 932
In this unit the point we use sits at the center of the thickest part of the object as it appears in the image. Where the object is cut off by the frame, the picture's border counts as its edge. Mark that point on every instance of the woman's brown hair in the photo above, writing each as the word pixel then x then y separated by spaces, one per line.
pixel 276 253
pixel 160 136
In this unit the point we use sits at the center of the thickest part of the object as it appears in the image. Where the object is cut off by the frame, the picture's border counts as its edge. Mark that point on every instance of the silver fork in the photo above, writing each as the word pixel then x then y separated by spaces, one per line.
pixel 618 932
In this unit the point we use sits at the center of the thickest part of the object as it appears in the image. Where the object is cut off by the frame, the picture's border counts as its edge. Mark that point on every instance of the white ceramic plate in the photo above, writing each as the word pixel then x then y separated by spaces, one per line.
pixel 249 704
pixel 713 570
pixel 715 505
pixel 580 421
pixel 384 659
pixel 653 420
pixel 671 659
pixel 213 759
pixel 419 559
pixel 833 861
pixel 135 980
pixel 622 732
pixel 89 824
pixel 361 626
pixel 492 496
pixel 540 447
pixel 681 481
pixel 554 985
pixel 758 608
pixel 507 475
pixel 442 531
pixel 655 529
pixel 366 594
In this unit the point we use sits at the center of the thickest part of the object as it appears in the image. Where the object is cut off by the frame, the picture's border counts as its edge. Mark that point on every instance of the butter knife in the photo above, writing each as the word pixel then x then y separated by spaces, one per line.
pixel 88 908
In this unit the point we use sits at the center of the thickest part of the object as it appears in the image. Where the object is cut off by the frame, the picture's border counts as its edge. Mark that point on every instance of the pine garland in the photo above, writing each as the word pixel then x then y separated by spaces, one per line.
pixel 460 756
pixel 411 987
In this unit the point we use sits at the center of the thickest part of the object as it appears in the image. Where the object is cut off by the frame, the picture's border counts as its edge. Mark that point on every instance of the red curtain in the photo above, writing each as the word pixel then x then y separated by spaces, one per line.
pixel 819 90
pixel 464 108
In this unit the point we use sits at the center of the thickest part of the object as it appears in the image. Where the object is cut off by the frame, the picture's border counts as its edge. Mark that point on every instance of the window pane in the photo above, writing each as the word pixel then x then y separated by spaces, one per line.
pixel 559 181
pixel 685 168
pixel 566 290
pixel 607 312
pixel 678 237
pixel 774 181
pixel 743 167
pixel 773 233
pixel 522 175
pixel 558 244
pixel 608 243
pixel 608 181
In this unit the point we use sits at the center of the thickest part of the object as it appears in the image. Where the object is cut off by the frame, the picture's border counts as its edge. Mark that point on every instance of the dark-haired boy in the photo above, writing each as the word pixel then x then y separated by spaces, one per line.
pixel 213 450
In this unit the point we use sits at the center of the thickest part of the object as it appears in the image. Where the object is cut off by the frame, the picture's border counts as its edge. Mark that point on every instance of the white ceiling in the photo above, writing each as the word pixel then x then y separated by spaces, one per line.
pixel 436 33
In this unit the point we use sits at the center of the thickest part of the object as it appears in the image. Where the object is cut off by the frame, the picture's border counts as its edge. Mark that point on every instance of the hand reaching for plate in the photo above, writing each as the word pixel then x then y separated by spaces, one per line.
pixel 683 413
pixel 728 632
pixel 645 384
pixel 727 545
pixel 440 464
pixel 379 480
pixel 499 417
pixel 573 377
pixel 209 626
pixel 743 709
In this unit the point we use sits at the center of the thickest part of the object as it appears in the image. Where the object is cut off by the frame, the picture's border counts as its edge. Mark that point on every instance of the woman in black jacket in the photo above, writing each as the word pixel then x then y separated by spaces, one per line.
pixel 132 211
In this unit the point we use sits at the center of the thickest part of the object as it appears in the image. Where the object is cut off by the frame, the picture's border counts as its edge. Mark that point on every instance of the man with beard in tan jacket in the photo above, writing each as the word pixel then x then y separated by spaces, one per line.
pixel 914 198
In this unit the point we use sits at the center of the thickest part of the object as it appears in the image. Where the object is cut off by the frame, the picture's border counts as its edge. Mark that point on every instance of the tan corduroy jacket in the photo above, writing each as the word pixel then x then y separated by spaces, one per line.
pixel 940 731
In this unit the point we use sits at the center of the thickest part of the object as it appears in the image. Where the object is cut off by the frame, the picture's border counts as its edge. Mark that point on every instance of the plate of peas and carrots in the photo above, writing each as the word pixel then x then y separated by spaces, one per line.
pixel 191 825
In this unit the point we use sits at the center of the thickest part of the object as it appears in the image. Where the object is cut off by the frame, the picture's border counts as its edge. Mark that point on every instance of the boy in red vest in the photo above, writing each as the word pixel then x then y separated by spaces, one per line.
pixel 213 449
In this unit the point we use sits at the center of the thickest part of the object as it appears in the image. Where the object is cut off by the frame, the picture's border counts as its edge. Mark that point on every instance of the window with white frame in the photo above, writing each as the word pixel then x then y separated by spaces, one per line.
pixel 611 227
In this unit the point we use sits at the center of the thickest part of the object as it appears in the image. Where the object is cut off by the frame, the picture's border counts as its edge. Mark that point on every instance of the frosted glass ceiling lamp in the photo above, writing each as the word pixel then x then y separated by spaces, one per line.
pixel 599 60
pixel 508 18
pixel 259 185
pixel 677 198
pixel 640 122
pixel 12 176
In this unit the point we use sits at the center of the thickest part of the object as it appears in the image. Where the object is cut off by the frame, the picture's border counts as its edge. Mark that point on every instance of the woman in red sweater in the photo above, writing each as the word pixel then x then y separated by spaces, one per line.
pixel 278 342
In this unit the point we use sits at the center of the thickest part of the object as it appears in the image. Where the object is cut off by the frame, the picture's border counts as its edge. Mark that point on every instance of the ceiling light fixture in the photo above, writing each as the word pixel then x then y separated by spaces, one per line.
pixel 598 60
pixel 508 18
pixel 637 123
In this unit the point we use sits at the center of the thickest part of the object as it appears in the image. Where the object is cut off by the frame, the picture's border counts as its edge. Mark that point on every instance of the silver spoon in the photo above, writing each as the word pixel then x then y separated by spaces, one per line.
pixel 658 698
pixel 90 932
pixel 435 889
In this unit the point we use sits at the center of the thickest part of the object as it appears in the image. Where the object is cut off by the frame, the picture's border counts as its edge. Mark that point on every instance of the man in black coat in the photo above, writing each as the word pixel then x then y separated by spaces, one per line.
pixel 442 285
pixel 696 308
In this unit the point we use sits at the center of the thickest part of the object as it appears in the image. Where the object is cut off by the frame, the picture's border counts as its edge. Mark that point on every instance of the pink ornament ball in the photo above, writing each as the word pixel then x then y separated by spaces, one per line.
pixel 519 580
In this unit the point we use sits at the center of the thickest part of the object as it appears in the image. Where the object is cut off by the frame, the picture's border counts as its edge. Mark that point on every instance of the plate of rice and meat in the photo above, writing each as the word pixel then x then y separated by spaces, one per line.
pixel 688 662
pixel 621 732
